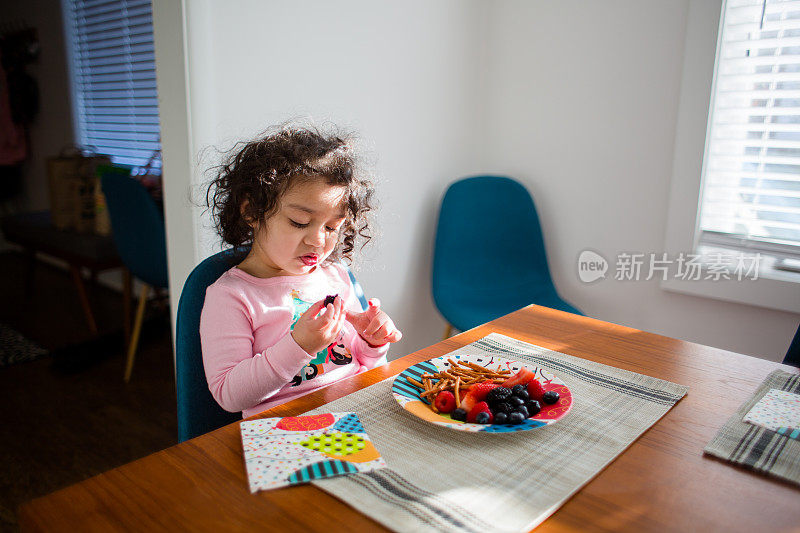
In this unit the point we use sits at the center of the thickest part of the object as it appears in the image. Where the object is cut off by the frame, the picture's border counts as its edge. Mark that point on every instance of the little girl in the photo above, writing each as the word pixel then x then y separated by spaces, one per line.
pixel 267 333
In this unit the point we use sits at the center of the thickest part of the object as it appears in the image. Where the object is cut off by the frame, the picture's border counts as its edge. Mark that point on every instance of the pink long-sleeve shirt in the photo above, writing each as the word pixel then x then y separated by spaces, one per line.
pixel 251 360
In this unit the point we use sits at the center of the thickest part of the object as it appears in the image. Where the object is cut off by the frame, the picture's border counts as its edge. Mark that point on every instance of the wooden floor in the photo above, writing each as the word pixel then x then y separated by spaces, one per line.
pixel 70 416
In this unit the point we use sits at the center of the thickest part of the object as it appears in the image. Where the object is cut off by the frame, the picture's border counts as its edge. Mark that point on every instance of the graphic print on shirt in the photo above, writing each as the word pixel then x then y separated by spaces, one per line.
pixel 337 353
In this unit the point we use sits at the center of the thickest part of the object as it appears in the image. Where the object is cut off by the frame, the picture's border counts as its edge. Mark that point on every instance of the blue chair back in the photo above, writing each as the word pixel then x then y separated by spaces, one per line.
pixel 357 289
pixel 198 411
pixel 137 225
pixel 792 356
pixel 489 255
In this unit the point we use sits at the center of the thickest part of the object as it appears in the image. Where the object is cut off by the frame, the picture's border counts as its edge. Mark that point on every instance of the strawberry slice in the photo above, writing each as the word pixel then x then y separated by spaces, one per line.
pixel 480 390
pixel 476 393
pixel 535 390
pixel 520 378
pixel 480 407
pixel 468 401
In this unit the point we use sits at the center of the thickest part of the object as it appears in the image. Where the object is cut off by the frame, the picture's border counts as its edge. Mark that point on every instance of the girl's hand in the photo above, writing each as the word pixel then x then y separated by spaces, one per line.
pixel 374 325
pixel 315 333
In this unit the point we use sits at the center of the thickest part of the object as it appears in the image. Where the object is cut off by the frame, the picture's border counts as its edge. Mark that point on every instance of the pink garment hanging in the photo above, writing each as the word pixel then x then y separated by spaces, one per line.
pixel 13 146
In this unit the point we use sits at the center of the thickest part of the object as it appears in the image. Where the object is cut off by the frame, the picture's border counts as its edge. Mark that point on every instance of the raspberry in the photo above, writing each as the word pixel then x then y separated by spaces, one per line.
pixel 481 390
pixel 535 390
pixel 445 401
pixel 480 407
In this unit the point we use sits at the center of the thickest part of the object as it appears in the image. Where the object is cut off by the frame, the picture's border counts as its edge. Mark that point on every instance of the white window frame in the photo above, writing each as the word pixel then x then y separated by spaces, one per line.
pixel 150 163
pixel 774 289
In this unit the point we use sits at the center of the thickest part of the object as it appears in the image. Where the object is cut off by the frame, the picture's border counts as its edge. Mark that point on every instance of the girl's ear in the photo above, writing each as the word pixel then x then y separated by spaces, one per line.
pixel 242 210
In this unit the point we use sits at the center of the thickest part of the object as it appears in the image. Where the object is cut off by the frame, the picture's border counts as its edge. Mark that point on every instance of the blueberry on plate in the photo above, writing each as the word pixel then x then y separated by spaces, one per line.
pixel 524 410
pixel 515 402
pixel 533 408
pixel 522 394
pixel 500 418
pixel 516 418
pixel 550 397
pixel 459 414
pixel 482 417
pixel 516 389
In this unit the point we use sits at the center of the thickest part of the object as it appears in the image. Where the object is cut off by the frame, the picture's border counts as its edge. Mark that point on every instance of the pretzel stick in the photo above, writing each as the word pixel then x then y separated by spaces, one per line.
pixel 434 389
pixel 415 382
pixel 458 396
pixel 451 376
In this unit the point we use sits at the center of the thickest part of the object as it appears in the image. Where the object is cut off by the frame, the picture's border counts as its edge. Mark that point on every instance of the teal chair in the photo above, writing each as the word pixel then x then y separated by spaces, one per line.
pixel 198 412
pixel 792 356
pixel 137 225
pixel 489 257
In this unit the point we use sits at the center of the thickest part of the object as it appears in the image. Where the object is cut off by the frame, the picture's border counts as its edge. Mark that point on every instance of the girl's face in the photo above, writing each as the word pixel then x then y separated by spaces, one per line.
pixel 303 232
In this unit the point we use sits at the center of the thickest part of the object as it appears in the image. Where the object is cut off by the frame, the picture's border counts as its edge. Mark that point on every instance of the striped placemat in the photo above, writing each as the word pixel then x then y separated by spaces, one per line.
pixel 757 447
pixel 444 480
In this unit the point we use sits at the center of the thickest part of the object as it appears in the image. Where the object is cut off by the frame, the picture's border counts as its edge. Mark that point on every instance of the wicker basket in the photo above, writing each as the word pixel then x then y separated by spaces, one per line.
pixel 74 186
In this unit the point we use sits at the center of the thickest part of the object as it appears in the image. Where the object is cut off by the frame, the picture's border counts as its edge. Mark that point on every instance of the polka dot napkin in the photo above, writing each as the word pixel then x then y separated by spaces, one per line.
pixel 778 411
pixel 297 449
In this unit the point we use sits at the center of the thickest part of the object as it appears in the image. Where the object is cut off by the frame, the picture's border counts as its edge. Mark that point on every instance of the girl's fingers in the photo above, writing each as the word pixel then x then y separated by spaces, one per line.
pixel 382 331
pixel 334 318
pixel 314 310
pixel 374 325
pixel 340 324
pixel 394 336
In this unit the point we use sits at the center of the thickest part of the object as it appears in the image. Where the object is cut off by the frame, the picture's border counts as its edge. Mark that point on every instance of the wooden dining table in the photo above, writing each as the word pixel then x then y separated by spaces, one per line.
pixel 662 482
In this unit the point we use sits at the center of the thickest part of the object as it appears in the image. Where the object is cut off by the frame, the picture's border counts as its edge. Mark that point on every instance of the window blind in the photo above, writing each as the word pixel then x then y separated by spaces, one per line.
pixel 114 78
pixel 751 173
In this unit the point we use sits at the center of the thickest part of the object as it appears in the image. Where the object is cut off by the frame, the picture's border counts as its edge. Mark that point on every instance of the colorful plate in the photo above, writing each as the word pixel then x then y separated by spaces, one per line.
pixel 408 397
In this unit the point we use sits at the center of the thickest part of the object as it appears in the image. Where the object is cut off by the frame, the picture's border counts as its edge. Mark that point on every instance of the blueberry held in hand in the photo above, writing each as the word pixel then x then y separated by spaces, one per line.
pixel 550 397
pixel 459 414
pixel 330 298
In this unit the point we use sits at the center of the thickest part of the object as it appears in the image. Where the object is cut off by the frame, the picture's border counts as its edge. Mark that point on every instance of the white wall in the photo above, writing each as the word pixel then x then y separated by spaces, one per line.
pixel 577 99
pixel 585 112
pixel 406 76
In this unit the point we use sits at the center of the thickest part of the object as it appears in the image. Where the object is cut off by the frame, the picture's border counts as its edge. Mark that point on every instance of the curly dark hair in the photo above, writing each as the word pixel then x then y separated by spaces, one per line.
pixel 258 174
